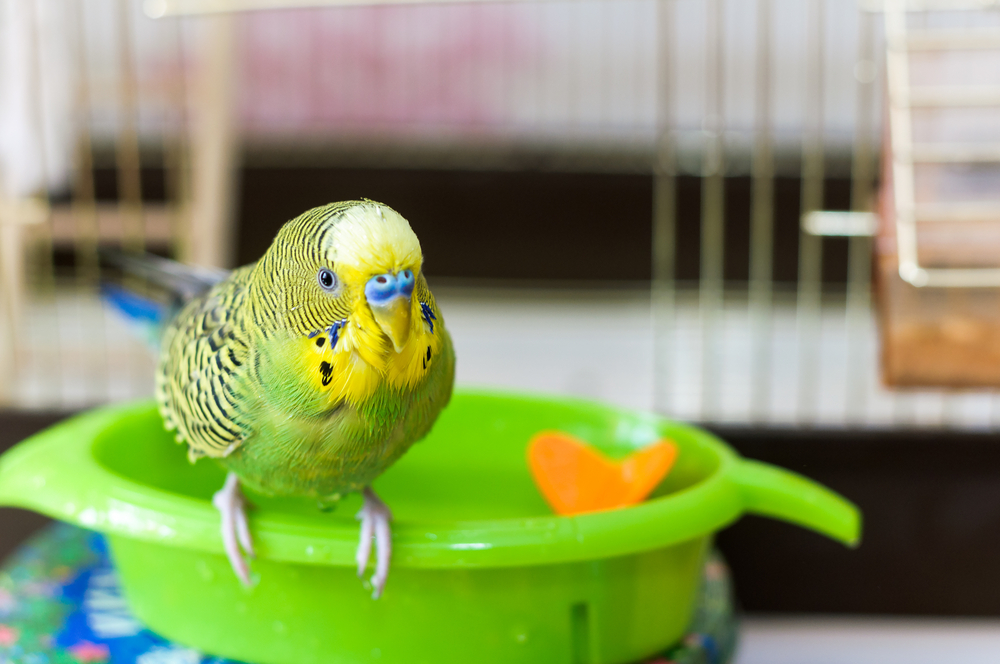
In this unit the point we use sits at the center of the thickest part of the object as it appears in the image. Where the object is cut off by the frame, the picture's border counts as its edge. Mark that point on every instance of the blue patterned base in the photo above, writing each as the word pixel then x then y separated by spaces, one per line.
pixel 60 603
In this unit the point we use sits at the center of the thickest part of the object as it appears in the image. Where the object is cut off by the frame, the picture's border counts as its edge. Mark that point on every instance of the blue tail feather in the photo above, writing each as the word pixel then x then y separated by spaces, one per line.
pixel 177 283
pixel 133 306
pixel 144 315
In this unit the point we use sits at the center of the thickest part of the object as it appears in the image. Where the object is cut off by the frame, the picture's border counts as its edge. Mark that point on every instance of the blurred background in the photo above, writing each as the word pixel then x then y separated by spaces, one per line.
pixel 776 218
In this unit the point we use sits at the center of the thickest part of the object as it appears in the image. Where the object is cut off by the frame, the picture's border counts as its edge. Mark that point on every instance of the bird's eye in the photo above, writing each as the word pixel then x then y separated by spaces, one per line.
pixel 327 279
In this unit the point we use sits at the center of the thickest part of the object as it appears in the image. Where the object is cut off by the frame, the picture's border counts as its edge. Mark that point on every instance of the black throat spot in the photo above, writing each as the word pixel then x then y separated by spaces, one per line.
pixel 326 371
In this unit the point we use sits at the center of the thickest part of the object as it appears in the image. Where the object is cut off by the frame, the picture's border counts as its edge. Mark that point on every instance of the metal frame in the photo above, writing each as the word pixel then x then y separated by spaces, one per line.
pixel 905 152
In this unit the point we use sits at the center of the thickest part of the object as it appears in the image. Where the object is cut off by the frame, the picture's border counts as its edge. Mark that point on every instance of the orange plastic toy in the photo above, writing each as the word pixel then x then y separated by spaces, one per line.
pixel 575 478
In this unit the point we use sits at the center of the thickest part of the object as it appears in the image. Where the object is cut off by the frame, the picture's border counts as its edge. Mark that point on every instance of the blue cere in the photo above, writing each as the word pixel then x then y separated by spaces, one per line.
pixel 429 316
pixel 406 281
pixel 384 287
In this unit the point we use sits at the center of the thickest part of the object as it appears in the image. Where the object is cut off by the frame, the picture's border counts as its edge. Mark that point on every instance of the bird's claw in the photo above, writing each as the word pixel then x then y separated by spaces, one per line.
pixel 231 504
pixel 374 517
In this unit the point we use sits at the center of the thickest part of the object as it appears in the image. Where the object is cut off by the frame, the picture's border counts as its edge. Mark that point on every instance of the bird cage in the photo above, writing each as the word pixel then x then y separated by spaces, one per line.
pixel 939 264
pixel 115 131
pixel 756 125
pixel 790 103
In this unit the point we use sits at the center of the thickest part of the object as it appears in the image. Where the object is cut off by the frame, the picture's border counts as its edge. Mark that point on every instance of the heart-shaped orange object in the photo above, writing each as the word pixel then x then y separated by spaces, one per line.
pixel 575 478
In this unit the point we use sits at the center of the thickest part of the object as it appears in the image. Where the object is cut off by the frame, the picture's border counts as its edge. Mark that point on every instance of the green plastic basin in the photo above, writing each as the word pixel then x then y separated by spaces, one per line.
pixel 480 563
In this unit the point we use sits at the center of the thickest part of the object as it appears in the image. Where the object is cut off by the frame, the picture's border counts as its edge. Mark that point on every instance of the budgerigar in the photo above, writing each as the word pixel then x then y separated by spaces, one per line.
pixel 311 371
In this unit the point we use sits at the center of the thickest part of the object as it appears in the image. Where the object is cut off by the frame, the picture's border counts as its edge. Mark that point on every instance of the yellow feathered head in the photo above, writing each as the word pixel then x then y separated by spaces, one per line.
pixel 355 260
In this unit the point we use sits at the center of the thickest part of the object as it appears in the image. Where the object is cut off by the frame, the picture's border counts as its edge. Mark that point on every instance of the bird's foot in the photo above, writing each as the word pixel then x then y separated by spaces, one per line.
pixel 374 517
pixel 231 504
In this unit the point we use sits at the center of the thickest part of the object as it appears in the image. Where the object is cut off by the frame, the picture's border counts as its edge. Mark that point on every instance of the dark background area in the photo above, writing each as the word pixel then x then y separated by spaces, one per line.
pixel 580 228
pixel 931 534
pixel 16 425
pixel 538 225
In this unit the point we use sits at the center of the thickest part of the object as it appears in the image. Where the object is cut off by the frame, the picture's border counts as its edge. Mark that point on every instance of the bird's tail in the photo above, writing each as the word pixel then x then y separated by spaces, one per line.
pixel 181 281
pixel 172 285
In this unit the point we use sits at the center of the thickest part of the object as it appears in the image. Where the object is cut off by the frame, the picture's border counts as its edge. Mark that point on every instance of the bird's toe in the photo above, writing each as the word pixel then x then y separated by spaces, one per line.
pixel 375 517
pixel 235 529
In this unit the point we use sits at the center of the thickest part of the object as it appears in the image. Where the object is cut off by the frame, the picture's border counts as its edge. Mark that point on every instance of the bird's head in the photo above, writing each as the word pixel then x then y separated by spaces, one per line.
pixel 354 262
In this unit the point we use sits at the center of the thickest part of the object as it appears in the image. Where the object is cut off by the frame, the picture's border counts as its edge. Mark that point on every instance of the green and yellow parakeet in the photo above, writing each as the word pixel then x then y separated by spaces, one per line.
pixel 311 371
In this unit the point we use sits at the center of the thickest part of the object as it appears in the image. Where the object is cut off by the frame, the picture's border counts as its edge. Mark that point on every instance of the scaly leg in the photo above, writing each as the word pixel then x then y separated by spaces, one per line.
pixel 235 531
pixel 374 517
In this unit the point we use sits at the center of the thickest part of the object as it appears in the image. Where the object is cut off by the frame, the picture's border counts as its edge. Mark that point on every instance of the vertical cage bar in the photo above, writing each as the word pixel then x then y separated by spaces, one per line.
pixel 214 146
pixel 712 212
pixel 901 134
pixel 84 198
pixel 42 232
pixel 127 149
pixel 85 215
pixel 761 225
pixel 901 141
pixel 11 300
pixel 128 160
pixel 12 281
pixel 177 156
pixel 574 69
pixel 51 364
pixel 810 287
pixel 664 213
pixel 859 258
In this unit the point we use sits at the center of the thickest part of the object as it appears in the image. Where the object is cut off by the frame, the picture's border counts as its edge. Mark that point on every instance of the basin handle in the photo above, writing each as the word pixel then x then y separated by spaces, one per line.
pixel 781 494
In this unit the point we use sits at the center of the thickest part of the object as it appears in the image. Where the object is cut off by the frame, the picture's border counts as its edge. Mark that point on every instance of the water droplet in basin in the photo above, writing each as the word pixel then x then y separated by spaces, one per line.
pixel 279 627
pixel 376 653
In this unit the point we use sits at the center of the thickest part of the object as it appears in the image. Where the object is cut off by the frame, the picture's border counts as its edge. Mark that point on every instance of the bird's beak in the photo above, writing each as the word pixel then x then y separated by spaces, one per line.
pixel 388 296
pixel 393 316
